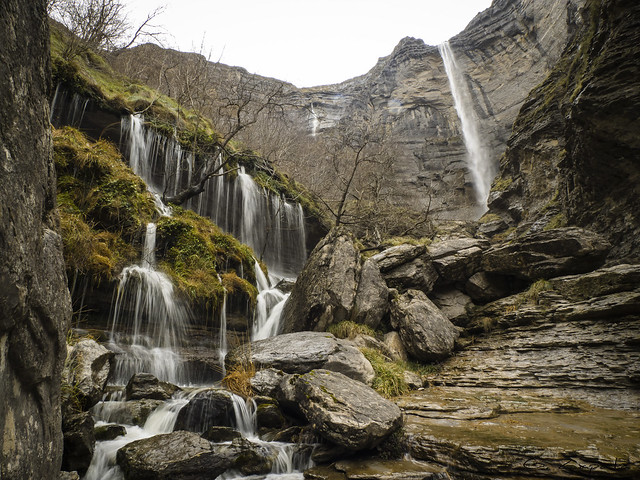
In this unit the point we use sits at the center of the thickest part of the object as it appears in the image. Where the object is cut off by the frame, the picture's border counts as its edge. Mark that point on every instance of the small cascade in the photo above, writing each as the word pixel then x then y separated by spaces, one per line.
pixel 314 121
pixel 148 323
pixel 272 226
pixel 269 305
pixel 245 416
pixel 223 347
pixel 65 111
pixel 479 159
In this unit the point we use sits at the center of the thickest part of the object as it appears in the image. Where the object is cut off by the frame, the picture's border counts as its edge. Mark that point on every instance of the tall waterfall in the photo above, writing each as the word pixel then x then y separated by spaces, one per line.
pixel 479 160
pixel 272 226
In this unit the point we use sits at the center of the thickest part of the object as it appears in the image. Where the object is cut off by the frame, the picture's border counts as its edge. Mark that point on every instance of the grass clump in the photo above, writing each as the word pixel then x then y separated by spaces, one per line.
pixel 389 380
pixel 238 379
pixel 532 295
pixel 348 329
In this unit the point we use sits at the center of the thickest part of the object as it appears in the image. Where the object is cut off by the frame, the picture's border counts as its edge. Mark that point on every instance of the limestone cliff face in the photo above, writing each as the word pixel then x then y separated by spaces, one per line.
pixel 505 51
pixel 574 155
pixel 34 301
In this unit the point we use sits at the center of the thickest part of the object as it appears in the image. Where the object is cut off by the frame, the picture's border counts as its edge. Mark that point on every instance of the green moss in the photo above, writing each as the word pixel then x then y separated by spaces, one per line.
pixel 501 183
pixel 489 217
pixel 557 221
pixel 532 295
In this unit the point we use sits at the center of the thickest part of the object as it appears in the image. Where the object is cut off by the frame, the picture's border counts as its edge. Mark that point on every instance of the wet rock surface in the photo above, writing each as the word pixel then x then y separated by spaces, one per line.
pixel 344 411
pixel 208 408
pixel 144 386
pixel 302 352
pixel 87 369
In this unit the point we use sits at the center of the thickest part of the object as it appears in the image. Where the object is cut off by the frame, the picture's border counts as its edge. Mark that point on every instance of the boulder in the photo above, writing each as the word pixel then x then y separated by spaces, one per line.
pixel 372 297
pixel 394 257
pixel 454 304
pixel 177 455
pixel 268 414
pixel 134 412
pixel 425 332
pixel 109 432
pixel 79 441
pixel 208 408
pixel 68 476
pixel 326 288
pixel 221 434
pixel 485 287
pixel 344 411
pixel 367 341
pixel 395 346
pixel 86 369
pixel 144 386
pixel 547 254
pixel 302 352
pixel 266 382
pixel 419 274
pixel 456 259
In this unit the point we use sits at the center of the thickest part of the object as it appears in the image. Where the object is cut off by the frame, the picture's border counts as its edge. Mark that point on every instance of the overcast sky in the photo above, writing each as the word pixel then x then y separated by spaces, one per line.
pixel 307 43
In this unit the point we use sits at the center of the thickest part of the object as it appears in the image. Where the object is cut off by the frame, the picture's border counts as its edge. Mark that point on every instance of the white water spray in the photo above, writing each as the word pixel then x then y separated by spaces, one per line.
pixel 479 160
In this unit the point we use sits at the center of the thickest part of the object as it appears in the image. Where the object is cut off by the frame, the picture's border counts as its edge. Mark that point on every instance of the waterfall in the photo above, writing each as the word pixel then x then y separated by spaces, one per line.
pixel 479 159
pixel 269 305
pixel 63 111
pixel 148 323
pixel 272 226
pixel 314 120
pixel 222 342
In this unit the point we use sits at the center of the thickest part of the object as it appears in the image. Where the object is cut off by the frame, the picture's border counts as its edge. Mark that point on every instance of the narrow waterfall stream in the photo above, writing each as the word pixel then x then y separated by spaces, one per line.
pixel 479 161
pixel 149 325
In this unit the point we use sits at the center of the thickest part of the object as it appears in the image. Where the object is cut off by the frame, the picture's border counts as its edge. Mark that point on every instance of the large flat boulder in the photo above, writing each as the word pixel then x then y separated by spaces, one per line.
pixel 301 352
pixel 145 386
pixel 457 259
pixel 426 332
pixel 604 281
pixel 346 412
pixel 326 288
pixel 419 274
pixel 394 257
pixel 547 254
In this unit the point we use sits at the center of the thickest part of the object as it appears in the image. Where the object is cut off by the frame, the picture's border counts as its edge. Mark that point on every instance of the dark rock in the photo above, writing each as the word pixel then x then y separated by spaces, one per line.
pixel 86 370
pixel 252 459
pixel 35 306
pixel 604 281
pixel 453 304
pixel 208 408
pixel 268 414
pixel 344 411
pixel 144 386
pixel 285 285
pixel 329 453
pixel 79 442
pixel 418 274
pixel 394 257
pixel 134 412
pixel 221 434
pixel 108 432
pixel 372 297
pixel 485 287
pixel 326 288
pixel 302 352
pixel 425 332
pixel 546 254
pixel 177 455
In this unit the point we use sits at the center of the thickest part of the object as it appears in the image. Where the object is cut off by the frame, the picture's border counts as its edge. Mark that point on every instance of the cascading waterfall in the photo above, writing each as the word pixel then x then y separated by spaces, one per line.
pixel 269 305
pixel 314 120
pixel 148 323
pixel 272 226
pixel 60 114
pixel 479 159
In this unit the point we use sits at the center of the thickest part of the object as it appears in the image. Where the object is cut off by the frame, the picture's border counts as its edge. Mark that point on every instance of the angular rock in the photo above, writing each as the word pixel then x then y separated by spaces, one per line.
pixel 302 352
pixel 326 288
pixel 346 412
pixel 419 274
pixel 485 287
pixel 208 408
pixel 221 434
pixel 133 412
pixel 425 332
pixel 109 432
pixel 454 304
pixel 266 382
pixel 396 348
pixel 604 281
pixel 177 455
pixel 547 254
pixel 456 259
pixel 86 369
pixel 367 341
pixel 394 257
pixel 144 386
pixel 268 414
pixel 615 305
pixel 79 442
pixel 372 297
pixel 69 476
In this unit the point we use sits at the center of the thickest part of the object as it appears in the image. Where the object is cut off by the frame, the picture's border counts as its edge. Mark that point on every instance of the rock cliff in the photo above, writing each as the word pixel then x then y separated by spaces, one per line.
pixel 34 301
pixel 573 155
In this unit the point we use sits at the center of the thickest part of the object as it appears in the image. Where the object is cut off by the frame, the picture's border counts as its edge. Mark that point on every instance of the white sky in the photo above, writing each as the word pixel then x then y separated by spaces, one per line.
pixel 303 42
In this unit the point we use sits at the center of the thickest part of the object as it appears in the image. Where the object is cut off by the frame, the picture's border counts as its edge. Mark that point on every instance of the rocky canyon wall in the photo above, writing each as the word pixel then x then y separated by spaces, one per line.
pixel 504 52
pixel 34 301
pixel 574 153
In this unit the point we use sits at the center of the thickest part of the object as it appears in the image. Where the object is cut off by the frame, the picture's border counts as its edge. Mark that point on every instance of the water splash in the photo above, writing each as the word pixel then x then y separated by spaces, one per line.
pixel 479 160
pixel 269 305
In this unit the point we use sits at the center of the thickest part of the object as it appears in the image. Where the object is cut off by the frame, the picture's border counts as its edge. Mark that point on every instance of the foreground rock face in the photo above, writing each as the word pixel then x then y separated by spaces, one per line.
pixel 34 301
pixel 302 352
pixel 345 412
pixel 425 332
pixel 326 288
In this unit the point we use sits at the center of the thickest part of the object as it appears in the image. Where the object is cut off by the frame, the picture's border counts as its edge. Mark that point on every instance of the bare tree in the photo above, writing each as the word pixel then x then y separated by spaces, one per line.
pixel 100 25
